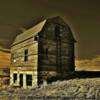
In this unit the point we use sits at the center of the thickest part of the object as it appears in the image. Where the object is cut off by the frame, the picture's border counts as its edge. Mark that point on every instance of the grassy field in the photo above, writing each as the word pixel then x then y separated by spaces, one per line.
pixel 73 89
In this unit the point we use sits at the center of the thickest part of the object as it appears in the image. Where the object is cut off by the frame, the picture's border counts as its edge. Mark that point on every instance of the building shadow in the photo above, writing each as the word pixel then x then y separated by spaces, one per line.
pixel 87 74
pixel 75 75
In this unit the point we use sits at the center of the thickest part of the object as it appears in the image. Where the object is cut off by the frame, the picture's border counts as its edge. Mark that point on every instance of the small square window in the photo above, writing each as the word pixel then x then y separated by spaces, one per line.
pixel 36 38
pixel 46 50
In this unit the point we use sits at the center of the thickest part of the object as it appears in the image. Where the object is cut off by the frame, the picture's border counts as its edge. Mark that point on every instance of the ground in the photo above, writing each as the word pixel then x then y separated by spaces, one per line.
pixel 73 89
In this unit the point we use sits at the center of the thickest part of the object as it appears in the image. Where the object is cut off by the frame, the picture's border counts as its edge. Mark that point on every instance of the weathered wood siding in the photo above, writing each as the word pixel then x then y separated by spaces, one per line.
pixel 18 54
pixel 48 51
pixel 19 66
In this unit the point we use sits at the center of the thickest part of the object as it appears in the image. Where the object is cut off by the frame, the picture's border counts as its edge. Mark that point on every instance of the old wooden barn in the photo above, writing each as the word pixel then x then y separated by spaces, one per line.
pixel 42 51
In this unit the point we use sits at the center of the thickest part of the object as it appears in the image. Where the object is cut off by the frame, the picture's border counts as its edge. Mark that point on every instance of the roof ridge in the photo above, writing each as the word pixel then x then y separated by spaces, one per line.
pixel 29 32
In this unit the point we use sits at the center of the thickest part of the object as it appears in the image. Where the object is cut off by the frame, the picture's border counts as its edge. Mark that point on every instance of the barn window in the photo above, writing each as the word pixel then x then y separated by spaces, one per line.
pixel 29 80
pixel 57 31
pixel 36 38
pixel 46 50
pixel 14 77
pixel 51 27
pixel 26 55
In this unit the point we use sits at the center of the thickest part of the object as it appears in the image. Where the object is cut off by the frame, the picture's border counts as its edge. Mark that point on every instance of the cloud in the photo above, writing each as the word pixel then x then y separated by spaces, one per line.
pixel 88 64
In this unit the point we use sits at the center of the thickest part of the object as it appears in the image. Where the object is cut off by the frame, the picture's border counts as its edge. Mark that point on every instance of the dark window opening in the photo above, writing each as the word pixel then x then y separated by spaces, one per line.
pixel 36 38
pixel 21 80
pixel 46 51
pixel 26 55
pixel 57 31
pixel 14 77
pixel 29 80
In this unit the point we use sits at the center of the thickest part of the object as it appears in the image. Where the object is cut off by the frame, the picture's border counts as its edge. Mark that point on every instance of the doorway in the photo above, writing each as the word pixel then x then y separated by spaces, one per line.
pixel 21 80
pixel 29 80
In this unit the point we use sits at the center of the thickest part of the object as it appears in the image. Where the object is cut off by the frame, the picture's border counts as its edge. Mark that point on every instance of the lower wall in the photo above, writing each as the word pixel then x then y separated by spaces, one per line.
pixel 24 73
pixel 4 81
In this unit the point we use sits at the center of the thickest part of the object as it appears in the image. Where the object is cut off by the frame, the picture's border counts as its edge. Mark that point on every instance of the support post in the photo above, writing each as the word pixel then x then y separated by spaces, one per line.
pixel 24 81
pixel 11 78
pixel 18 80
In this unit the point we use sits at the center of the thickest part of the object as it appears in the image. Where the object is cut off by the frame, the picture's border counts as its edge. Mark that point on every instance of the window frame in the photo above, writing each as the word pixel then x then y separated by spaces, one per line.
pixel 25 55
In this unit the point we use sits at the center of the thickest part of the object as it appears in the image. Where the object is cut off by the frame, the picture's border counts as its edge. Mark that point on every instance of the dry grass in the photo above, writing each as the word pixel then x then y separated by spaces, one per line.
pixel 77 88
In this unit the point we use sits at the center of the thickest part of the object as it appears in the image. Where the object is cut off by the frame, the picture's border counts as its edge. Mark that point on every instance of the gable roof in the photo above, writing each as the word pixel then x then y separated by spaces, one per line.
pixel 38 27
pixel 59 20
pixel 29 33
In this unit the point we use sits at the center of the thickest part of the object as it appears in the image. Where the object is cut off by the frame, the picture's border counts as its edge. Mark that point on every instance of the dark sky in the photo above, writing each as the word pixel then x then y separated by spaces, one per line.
pixel 83 16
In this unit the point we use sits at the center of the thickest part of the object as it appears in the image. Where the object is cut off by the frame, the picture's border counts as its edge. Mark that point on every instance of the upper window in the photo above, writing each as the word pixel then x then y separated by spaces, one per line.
pixel 36 38
pixel 26 55
pixel 57 30
pixel 58 33
pixel 46 50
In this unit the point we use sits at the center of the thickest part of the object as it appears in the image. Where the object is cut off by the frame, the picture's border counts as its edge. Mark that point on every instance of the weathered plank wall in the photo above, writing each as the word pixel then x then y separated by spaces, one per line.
pixel 18 54
pixel 50 54
pixel 48 51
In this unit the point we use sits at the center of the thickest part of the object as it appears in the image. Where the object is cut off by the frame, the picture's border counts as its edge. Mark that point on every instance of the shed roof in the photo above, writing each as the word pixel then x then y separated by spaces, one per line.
pixel 29 33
